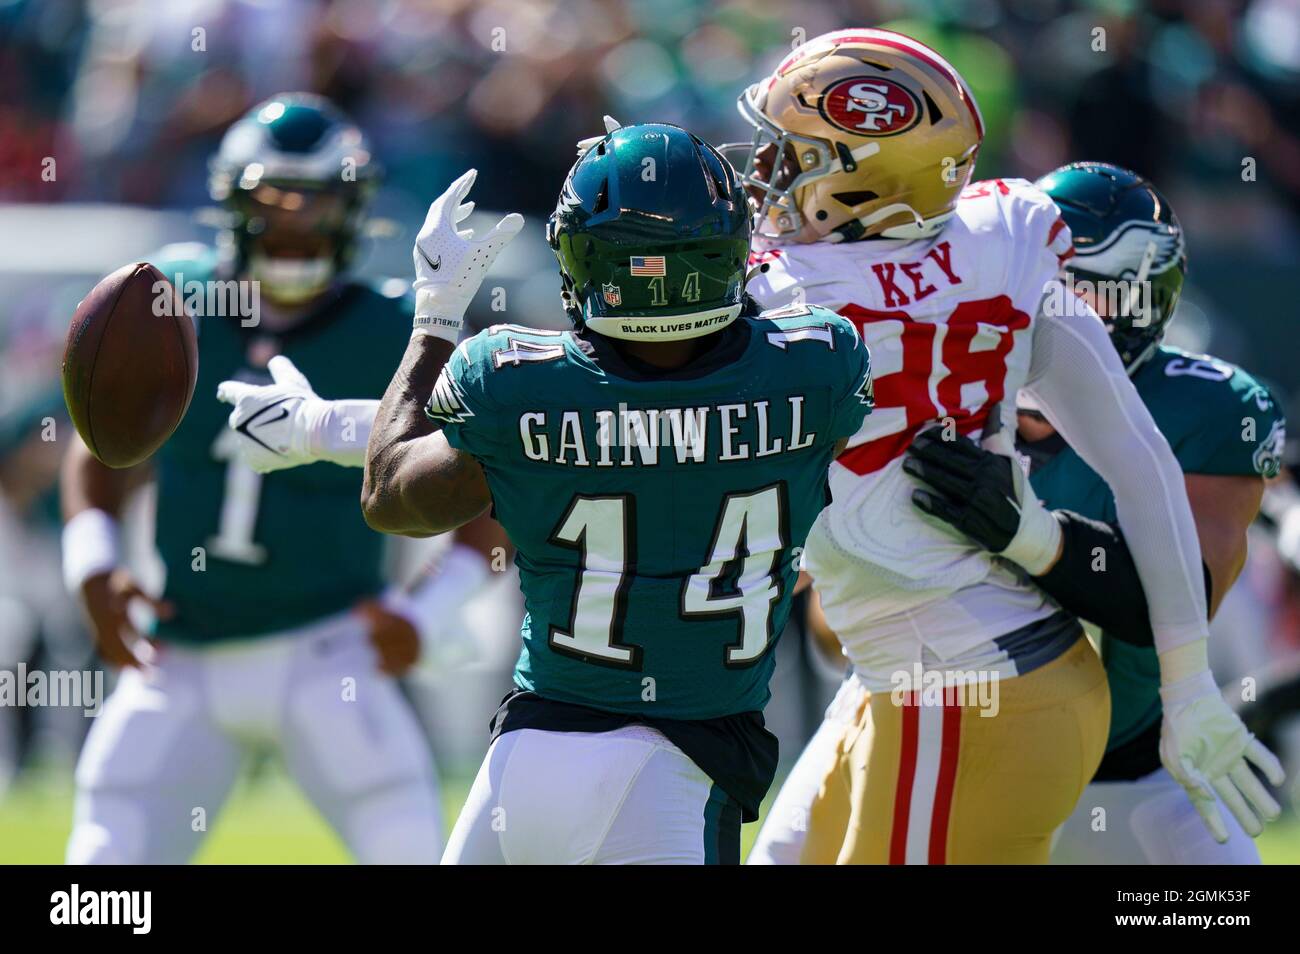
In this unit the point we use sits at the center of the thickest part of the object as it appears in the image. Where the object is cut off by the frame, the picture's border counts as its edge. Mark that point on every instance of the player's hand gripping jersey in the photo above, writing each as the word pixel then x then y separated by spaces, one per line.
pixel 658 516
pixel 954 326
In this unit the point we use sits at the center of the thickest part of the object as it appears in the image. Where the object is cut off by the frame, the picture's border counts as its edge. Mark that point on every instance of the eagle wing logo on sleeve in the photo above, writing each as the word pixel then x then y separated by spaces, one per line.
pixel 867 392
pixel 1268 456
pixel 447 402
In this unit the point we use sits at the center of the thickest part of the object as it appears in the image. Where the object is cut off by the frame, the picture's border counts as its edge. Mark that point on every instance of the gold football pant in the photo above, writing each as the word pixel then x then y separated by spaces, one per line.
pixel 940 783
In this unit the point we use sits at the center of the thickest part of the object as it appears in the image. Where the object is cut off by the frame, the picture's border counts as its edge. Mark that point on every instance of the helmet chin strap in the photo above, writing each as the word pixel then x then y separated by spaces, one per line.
pixel 291 281
pixel 918 228
pixel 1140 358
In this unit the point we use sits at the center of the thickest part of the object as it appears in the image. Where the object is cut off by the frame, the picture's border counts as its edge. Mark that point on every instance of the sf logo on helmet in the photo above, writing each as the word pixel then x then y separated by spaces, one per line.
pixel 870 106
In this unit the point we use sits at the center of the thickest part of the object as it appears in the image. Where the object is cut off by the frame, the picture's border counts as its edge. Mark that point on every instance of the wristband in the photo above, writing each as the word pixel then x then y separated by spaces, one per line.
pixel 1183 665
pixel 91 546
pixel 440 318
pixel 1037 542
pixel 433 607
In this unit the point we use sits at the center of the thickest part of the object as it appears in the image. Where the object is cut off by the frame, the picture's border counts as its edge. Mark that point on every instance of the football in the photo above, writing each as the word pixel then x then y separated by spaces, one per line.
pixel 129 365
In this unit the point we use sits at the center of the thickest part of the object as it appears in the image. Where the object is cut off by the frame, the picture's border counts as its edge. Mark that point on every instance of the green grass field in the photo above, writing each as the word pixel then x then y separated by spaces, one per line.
pixel 268 822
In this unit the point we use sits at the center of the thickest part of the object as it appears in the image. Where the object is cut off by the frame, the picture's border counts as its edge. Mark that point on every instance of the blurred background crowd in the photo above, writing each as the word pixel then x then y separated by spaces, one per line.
pixel 110 109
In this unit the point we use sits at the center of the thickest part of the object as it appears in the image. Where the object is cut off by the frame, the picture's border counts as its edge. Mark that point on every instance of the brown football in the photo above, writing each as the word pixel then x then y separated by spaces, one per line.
pixel 130 365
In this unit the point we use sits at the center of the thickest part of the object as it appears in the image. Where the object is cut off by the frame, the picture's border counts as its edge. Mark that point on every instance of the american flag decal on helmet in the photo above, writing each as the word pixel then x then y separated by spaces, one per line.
pixel 648 266
pixel 447 402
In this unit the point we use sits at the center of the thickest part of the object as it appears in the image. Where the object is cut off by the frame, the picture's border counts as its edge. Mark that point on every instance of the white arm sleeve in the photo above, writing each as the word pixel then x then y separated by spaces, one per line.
pixel 1077 379
pixel 338 431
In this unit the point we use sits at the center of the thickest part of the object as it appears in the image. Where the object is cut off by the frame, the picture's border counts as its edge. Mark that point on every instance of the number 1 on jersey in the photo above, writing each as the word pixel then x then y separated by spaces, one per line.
pixel 233 540
pixel 600 529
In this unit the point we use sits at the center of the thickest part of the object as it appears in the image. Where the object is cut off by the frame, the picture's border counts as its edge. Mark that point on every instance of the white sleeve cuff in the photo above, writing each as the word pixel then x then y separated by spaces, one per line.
pixel 433 606
pixel 338 431
pixel 91 545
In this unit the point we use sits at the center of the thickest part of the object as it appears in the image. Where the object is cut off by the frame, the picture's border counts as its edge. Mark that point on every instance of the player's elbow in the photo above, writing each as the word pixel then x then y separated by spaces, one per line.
pixel 386 511
pixel 382 511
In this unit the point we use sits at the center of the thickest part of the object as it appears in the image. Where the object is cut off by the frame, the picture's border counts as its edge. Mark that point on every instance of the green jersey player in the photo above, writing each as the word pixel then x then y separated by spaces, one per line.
pixel 657 468
pixel 1227 434
pixel 274 595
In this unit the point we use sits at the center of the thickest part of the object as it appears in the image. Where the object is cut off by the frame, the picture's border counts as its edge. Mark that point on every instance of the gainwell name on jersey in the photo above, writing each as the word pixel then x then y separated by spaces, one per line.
pixel 630 437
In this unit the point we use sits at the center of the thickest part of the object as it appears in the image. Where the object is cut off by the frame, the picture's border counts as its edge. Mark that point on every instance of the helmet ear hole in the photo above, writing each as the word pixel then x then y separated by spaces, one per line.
pixel 932 109
pixel 602 198
pixel 854 199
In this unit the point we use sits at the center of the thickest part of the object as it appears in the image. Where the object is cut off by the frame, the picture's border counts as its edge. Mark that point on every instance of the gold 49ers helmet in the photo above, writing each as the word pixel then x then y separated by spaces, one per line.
pixel 859 133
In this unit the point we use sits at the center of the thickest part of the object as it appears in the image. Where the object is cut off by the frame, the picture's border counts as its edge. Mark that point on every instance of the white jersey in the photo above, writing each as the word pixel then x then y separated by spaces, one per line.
pixel 949 323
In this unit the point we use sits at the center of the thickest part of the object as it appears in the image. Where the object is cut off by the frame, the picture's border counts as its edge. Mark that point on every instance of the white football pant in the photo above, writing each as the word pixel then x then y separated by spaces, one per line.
pixel 162 756
pixel 1148 821
pixel 785 829
pixel 628 796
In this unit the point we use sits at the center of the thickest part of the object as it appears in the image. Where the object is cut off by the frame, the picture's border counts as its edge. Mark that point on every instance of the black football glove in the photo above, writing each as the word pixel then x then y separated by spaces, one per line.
pixel 984 495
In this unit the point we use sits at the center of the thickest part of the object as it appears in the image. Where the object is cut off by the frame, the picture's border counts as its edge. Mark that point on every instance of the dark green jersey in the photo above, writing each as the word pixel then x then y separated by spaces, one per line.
pixel 249 554
pixel 1218 420
pixel 658 517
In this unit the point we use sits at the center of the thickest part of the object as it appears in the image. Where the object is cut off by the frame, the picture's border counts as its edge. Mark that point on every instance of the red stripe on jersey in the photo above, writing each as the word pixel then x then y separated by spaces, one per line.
pixel 950 748
pixel 1069 253
pixel 906 776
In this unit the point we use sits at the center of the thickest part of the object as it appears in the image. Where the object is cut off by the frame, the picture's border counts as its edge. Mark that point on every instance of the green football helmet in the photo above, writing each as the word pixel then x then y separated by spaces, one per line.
pixel 1124 231
pixel 295 176
pixel 652 234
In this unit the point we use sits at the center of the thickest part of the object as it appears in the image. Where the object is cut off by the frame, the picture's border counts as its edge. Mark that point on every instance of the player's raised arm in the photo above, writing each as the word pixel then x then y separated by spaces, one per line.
pixel 416 483
pixel 1079 381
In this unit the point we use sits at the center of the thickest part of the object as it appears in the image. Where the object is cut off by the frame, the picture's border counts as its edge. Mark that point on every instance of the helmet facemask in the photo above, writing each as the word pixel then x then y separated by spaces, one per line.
pixel 293 235
pixel 773 186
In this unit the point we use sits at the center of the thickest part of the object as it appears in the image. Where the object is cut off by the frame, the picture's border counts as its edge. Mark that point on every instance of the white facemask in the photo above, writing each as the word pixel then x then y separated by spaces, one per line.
pixel 291 281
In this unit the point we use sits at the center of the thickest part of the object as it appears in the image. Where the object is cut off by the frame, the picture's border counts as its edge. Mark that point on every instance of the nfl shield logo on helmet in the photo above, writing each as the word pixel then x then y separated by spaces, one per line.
pixel 613 294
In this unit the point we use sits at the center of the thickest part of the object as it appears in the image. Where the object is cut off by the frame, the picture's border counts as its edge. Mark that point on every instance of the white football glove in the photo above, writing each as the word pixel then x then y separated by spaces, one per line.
pixel 585 144
pixel 286 424
pixel 450 264
pixel 1207 748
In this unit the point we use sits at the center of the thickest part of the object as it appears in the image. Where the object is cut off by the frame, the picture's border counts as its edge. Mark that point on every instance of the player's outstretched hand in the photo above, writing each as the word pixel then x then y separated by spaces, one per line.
pixel 106 598
pixel 1207 748
pixel 272 421
pixel 450 263
pixel 394 637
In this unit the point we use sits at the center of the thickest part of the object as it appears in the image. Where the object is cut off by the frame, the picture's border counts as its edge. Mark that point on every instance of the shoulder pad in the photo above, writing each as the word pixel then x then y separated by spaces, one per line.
pixel 194 260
